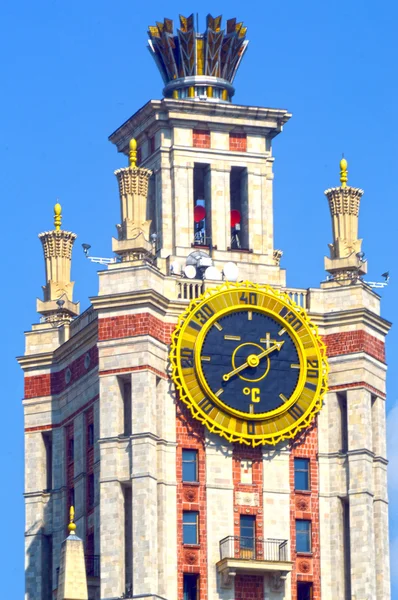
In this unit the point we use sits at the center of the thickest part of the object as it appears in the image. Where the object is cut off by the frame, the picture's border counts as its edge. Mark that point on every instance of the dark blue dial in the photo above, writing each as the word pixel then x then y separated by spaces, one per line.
pixel 250 362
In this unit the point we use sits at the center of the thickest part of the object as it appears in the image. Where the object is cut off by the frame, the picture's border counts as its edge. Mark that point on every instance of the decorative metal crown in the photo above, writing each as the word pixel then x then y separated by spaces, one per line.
pixel 198 65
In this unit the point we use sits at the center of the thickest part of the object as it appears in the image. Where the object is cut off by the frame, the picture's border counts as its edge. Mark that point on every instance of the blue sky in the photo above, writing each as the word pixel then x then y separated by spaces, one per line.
pixel 72 72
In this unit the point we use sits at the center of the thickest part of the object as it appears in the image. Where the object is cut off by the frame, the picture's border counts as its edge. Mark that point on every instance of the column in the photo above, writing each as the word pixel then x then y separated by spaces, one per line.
pixel 183 224
pixel 260 211
pixel 220 205
pixel 144 484
pixel 112 538
pixel 380 506
pixel 360 493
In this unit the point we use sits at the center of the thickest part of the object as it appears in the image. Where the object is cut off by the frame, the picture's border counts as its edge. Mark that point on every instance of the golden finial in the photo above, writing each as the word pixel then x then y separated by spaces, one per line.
pixel 72 524
pixel 57 216
pixel 133 153
pixel 343 172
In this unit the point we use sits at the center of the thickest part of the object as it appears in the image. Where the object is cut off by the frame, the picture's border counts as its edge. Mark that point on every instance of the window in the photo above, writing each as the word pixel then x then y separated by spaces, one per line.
pixel 247 531
pixel 302 474
pixel 190 527
pixel 71 497
pixel 190 465
pixel 239 208
pixel 47 440
pixel 191 586
pixel 90 490
pixel 202 204
pixel 303 536
pixel 342 402
pixel 304 591
pixel 71 450
pixel 90 435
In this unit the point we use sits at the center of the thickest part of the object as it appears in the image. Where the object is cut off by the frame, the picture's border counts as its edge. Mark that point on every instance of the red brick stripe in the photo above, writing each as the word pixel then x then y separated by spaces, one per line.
pixel 357 384
pixel 124 326
pixel 348 342
pixel 238 142
pixel 305 505
pixel 132 369
pixel 191 559
pixel 54 383
pixel 201 139
pixel 249 587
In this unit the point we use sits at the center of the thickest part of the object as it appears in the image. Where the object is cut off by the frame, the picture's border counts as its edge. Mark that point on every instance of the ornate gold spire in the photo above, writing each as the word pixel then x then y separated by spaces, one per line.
pixel 72 524
pixel 133 241
pixel 343 172
pixel 58 291
pixel 57 216
pixel 133 153
pixel 345 251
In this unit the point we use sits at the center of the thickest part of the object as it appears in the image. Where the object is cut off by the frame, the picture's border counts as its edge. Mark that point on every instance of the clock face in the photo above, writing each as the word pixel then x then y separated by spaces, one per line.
pixel 249 364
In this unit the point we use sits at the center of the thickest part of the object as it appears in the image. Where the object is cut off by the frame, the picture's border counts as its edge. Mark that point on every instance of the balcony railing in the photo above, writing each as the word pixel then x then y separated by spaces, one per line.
pixel 92 565
pixel 246 548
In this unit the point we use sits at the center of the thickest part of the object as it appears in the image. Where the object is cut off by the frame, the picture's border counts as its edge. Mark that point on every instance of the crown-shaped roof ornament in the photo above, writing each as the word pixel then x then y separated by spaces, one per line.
pixel 198 66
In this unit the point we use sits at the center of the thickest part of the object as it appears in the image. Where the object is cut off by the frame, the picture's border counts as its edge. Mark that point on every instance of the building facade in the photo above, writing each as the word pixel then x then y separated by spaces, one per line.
pixel 171 505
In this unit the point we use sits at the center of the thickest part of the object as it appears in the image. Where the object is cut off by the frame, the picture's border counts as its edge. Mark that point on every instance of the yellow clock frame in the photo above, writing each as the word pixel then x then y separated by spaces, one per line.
pixel 282 423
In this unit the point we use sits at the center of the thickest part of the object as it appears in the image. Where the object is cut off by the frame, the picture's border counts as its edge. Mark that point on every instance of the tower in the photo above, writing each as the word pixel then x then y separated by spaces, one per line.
pixel 221 436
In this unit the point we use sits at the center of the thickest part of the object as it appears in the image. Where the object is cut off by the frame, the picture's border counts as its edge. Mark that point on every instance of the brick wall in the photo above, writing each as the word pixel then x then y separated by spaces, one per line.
pixel 200 139
pixel 238 142
pixel 248 587
pixel 55 383
pixel 191 559
pixel 305 505
pixel 348 342
pixel 133 325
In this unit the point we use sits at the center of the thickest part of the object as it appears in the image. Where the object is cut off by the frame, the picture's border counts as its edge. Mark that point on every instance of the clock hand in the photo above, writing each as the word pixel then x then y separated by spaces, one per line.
pixel 254 359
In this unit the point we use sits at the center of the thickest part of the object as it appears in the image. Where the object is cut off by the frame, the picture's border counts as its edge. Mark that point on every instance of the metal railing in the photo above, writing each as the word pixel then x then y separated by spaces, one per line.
pixel 189 289
pixel 87 317
pixel 92 565
pixel 247 548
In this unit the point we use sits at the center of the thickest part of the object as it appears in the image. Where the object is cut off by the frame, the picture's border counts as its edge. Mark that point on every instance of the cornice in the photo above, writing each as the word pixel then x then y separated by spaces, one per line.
pixel 186 111
pixel 355 316
pixel 142 299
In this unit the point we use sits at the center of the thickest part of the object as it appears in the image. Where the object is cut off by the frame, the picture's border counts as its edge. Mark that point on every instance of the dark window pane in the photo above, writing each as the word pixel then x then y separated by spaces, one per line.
pixel 90 434
pixel 247 531
pixel 301 474
pixel 304 591
pixel 189 465
pixel 190 527
pixel 303 536
pixel 91 490
pixel 191 587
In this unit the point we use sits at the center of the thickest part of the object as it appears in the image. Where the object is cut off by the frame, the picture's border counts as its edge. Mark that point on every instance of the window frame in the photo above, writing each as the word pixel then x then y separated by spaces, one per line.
pixel 308 533
pixel 196 463
pixel 308 471
pixel 194 525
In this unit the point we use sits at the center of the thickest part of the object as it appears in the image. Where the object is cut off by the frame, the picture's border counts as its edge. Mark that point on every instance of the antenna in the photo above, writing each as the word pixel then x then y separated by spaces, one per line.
pixel 379 284
pixel 97 259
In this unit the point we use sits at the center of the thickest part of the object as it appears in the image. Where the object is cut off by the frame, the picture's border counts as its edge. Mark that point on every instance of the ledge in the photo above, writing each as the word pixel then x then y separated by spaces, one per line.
pixel 230 567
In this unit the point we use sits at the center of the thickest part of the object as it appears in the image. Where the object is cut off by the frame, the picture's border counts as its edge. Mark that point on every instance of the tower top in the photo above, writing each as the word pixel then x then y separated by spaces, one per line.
pixel 194 65
pixel 343 172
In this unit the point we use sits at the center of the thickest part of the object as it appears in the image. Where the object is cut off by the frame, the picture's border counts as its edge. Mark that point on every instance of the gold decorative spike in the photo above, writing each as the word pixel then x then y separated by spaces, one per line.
pixel 343 172
pixel 72 524
pixel 133 153
pixel 175 94
pixel 57 216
